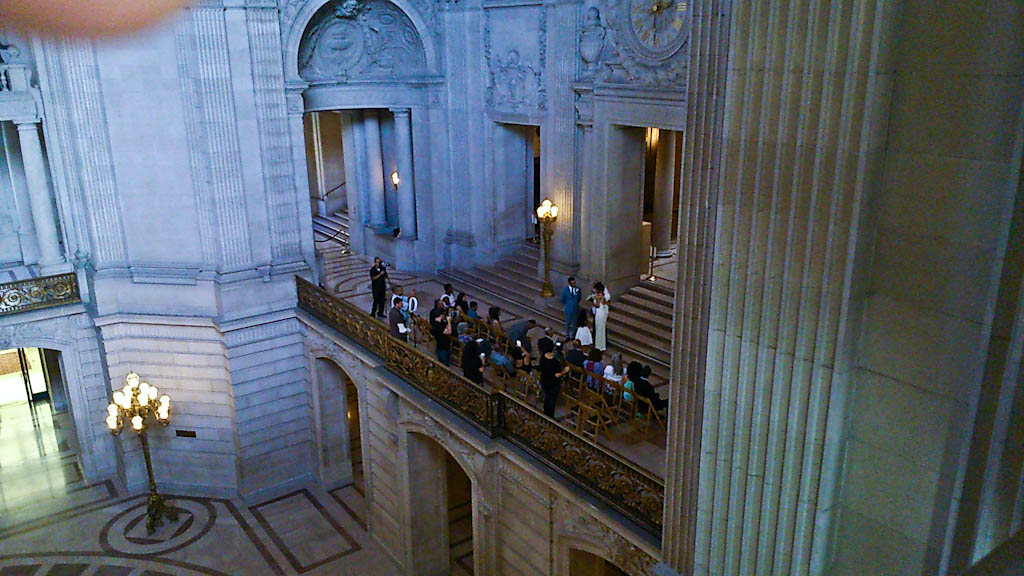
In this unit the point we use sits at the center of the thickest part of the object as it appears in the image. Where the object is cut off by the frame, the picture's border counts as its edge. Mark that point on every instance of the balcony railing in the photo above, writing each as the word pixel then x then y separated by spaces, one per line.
pixel 632 491
pixel 36 293
pixel 13 78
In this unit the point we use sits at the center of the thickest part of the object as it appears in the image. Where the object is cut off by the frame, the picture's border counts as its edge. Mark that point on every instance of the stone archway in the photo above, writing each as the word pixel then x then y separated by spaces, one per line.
pixel 333 416
pixel 442 498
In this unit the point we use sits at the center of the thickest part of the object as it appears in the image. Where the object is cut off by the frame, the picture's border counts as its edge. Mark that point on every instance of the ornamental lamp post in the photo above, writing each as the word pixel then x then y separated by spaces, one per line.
pixel 134 404
pixel 547 213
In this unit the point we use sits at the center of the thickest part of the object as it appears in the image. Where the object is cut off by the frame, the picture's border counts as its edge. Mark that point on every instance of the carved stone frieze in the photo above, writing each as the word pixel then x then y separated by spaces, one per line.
pixel 515 77
pixel 573 522
pixel 610 53
pixel 360 39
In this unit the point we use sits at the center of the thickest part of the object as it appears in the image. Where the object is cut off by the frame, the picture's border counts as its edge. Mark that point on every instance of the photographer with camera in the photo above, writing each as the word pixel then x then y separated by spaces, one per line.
pixel 378 286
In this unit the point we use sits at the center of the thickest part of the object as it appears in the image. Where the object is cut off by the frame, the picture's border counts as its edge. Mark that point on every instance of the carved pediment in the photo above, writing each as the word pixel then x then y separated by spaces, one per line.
pixel 357 40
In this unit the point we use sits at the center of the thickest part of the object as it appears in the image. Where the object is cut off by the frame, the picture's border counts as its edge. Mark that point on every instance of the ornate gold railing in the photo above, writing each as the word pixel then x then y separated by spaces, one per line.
pixel 36 293
pixel 630 490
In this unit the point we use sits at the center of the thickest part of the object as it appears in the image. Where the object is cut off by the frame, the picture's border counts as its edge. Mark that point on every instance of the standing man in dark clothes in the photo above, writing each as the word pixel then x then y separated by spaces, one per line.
pixel 378 285
pixel 551 373
pixel 441 322
pixel 396 320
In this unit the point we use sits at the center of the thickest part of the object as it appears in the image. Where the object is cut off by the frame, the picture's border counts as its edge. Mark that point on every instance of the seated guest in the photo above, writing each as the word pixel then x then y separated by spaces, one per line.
pixel 463 331
pixel 594 367
pixel 461 303
pixel 574 353
pixel 613 373
pixel 639 378
pixel 472 312
pixel 583 333
pixel 494 317
pixel 501 361
pixel 472 362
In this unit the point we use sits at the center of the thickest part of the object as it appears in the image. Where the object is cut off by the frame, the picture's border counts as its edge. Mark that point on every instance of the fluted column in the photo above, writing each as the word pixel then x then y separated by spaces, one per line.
pixel 406 187
pixel 374 168
pixel 664 193
pixel 39 193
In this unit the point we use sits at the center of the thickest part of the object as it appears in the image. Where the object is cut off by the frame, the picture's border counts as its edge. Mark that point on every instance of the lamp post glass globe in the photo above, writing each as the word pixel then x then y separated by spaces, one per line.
pixel 547 213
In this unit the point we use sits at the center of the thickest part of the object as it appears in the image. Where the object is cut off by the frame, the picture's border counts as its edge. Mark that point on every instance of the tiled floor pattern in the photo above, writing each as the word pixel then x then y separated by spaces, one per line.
pixel 54 523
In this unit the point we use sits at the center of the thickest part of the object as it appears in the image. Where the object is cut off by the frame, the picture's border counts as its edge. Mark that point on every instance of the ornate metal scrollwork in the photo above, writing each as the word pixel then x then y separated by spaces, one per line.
pixel 36 293
pixel 632 491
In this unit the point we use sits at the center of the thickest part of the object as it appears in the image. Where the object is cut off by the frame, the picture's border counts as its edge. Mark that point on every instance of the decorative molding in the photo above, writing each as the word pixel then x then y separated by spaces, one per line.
pixel 199 160
pixel 514 82
pixel 572 522
pixel 38 293
pixel 219 119
pixel 607 55
pixel 78 81
pixel 367 39
pixel 275 139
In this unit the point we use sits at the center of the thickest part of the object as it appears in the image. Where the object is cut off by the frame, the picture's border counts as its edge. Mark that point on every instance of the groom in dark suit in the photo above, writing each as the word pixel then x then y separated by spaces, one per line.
pixel 570 304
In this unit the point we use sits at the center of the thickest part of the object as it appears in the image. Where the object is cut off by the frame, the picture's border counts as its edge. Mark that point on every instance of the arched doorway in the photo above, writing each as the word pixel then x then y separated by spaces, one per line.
pixel 361 67
pixel 441 511
pixel 583 563
pixel 337 424
pixel 39 450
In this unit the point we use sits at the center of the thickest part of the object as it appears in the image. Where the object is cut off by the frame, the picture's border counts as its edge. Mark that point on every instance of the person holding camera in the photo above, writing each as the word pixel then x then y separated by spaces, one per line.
pixel 378 286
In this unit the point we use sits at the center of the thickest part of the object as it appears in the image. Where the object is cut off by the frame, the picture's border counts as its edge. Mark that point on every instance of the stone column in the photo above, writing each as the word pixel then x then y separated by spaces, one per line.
pixel 374 169
pixel 39 194
pixel 406 186
pixel 664 190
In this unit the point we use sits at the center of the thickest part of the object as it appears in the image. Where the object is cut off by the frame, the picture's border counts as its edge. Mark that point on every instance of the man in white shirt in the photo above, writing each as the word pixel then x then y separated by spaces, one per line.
pixel 448 298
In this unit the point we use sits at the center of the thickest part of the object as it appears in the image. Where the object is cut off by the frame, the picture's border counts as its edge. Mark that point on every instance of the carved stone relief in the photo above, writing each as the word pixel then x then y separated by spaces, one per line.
pixel 355 40
pixel 572 522
pixel 516 69
pixel 609 53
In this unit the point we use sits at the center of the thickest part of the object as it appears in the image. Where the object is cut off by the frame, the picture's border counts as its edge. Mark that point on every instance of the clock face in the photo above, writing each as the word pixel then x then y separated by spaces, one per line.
pixel 658 26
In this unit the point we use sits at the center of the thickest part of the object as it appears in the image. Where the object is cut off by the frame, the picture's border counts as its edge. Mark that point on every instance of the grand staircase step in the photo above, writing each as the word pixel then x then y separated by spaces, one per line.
pixel 654 293
pixel 636 302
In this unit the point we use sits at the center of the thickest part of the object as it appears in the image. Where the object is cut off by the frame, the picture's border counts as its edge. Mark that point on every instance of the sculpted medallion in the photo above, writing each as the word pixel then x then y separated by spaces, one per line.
pixel 353 40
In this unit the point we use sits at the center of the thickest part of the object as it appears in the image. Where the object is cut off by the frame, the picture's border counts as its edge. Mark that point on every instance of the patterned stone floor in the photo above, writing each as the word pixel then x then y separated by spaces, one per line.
pixel 53 522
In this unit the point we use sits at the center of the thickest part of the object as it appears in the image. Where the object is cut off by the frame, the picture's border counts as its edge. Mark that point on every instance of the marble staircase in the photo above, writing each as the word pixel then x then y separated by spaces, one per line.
pixel 640 324
pixel 332 228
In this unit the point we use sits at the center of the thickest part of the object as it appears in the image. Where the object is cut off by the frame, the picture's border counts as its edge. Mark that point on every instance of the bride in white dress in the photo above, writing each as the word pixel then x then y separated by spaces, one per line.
pixel 600 319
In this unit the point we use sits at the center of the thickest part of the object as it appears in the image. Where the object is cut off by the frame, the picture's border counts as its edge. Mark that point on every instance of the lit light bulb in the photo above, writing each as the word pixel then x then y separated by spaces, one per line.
pixel 554 211
pixel 165 400
pixel 118 399
pixel 112 409
pixel 163 412
pixel 395 179
pixel 153 393
pixel 144 389
pixel 546 203
pixel 132 379
pixel 112 422
pixel 137 422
